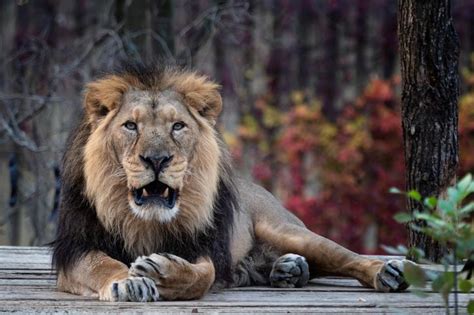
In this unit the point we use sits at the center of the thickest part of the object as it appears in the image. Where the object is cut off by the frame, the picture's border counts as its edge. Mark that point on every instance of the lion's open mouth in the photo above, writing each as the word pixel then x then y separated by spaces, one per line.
pixel 155 192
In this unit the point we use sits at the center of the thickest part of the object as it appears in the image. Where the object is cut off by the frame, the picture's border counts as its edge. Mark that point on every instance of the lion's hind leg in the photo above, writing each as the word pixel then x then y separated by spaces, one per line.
pixel 289 271
pixel 265 266
pixel 325 257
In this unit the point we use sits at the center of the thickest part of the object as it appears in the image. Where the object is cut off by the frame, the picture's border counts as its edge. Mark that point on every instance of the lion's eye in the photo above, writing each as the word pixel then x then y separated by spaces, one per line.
pixel 130 125
pixel 178 126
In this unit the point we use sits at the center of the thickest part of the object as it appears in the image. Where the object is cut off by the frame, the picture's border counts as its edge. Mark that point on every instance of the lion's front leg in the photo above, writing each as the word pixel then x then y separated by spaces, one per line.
pixel 175 277
pixel 97 274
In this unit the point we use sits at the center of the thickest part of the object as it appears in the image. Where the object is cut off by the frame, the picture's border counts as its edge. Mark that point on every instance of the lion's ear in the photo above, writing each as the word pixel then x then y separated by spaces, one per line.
pixel 201 94
pixel 103 95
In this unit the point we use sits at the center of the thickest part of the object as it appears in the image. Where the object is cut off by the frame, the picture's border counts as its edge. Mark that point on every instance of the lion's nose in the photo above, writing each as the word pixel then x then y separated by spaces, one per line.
pixel 157 163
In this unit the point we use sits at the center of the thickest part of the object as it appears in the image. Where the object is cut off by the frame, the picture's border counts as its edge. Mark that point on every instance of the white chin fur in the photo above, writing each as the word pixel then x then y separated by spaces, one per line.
pixel 149 213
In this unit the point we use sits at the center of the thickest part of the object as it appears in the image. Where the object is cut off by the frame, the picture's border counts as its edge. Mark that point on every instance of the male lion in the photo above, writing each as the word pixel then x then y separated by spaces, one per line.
pixel 151 210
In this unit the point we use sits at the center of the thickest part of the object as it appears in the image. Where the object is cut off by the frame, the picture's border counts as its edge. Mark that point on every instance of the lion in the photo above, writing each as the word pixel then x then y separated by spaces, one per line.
pixel 152 210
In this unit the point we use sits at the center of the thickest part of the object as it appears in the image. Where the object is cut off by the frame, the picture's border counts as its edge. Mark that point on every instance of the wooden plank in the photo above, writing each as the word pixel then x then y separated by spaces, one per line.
pixel 254 298
pixel 288 303
pixel 230 309
pixel 27 285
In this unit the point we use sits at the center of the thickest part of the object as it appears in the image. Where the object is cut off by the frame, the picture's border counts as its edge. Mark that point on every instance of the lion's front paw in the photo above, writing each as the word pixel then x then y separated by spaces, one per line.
pixel 172 274
pixel 157 266
pixel 133 289
pixel 289 271
pixel 390 278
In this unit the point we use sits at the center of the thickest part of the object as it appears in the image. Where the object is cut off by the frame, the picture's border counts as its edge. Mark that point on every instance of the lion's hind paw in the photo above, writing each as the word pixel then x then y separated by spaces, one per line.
pixel 390 278
pixel 289 271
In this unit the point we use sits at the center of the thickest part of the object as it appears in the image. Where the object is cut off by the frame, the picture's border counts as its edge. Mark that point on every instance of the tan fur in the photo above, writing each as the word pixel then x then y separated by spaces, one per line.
pixel 93 275
pixel 105 175
pixel 285 233
pixel 198 91
pixel 111 169
pixel 331 258
pixel 179 279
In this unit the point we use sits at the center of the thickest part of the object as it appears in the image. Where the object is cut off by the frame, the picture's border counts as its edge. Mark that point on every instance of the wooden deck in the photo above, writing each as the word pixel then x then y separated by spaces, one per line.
pixel 27 285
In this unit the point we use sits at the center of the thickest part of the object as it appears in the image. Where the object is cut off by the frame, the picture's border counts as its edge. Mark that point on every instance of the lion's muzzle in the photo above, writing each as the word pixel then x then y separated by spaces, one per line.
pixel 156 192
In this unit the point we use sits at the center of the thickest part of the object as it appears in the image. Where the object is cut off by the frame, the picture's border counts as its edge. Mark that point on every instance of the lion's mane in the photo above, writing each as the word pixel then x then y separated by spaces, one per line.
pixel 94 211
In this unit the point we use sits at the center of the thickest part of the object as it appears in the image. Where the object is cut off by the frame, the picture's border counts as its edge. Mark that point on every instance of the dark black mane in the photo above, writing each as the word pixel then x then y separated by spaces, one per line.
pixel 79 230
pixel 149 75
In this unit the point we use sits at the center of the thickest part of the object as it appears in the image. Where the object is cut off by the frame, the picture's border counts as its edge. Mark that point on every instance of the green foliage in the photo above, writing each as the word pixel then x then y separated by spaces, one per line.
pixel 465 285
pixel 414 275
pixel 403 217
pixel 413 194
pixel 444 284
pixel 470 307
pixel 447 220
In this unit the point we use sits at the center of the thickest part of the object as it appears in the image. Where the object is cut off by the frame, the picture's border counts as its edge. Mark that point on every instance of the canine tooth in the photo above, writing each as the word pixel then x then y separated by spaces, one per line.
pixel 145 193
pixel 166 193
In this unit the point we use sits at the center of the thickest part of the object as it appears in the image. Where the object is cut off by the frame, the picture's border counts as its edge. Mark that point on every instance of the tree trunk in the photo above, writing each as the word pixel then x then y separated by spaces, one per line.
pixel 429 50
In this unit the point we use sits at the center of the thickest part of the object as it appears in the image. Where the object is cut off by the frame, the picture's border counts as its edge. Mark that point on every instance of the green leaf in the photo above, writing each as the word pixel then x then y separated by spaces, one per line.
pixel 415 227
pixel 403 217
pixel 415 253
pixel 430 202
pixel 392 250
pixel 437 283
pixel 425 216
pixel 465 285
pixel 470 307
pixel 402 249
pixel 414 275
pixel 419 293
pixel 394 190
pixel 465 183
pixel 431 219
pixel 470 189
pixel 467 208
pixel 444 284
pixel 454 195
pixel 446 206
pixel 413 194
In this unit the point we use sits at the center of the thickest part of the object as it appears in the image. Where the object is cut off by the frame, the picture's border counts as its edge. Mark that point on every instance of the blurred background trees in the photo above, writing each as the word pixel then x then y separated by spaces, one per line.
pixel 311 99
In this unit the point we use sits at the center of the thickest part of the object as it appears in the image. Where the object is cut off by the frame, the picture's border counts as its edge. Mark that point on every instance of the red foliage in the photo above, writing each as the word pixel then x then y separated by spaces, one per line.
pixel 335 176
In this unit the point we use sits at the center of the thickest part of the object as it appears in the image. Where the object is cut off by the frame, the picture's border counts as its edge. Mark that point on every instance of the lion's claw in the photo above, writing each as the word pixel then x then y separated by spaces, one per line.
pixel 390 278
pixel 155 266
pixel 133 289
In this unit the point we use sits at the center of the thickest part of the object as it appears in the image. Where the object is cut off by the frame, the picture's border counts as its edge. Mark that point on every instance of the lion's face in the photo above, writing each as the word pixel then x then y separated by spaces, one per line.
pixel 152 153
pixel 154 136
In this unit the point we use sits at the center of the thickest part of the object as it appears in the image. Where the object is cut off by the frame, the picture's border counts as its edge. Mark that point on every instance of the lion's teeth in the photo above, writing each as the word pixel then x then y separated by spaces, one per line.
pixel 145 193
pixel 166 193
